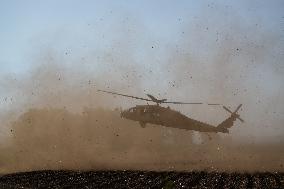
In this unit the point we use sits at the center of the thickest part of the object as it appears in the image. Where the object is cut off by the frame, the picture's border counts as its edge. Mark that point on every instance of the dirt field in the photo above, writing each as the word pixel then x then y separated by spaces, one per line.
pixel 139 179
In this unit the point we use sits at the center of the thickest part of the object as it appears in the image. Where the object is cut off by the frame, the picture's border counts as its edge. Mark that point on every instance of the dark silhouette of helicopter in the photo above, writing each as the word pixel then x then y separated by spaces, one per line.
pixel 165 116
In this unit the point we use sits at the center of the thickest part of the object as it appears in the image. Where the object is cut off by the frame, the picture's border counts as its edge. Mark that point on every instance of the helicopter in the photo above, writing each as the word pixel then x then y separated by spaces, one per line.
pixel 165 116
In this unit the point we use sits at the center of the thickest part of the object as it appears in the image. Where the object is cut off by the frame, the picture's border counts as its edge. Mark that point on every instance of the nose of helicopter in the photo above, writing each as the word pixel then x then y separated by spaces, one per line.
pixel 125 114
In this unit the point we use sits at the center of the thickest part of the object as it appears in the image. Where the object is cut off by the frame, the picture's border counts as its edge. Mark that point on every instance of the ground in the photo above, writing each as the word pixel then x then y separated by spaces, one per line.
pixel 140 179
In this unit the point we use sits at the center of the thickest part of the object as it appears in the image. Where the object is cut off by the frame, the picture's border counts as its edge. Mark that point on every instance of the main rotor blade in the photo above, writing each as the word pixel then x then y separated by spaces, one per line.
pixel 124 95
pixel 182 102
pixel 192 103
pixel 153 99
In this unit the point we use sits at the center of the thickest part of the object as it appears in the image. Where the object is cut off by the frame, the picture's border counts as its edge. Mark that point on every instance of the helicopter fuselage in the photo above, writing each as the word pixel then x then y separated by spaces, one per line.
pixel 155 114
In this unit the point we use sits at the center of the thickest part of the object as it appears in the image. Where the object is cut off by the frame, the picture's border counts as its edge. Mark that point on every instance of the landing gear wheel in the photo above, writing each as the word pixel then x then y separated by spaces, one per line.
pixel 142 124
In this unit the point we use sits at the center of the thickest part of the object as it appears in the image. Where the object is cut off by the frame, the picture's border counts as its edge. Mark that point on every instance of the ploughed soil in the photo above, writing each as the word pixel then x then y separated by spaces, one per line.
pixel 140 179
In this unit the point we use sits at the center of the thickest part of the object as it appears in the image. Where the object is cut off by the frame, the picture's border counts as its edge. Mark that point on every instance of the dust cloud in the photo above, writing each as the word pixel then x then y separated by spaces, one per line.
pixel 98 139
pixel 54 118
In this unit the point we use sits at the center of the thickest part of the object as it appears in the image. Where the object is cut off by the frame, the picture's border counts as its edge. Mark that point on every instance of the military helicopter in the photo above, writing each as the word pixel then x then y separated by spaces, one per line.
pixel 165 116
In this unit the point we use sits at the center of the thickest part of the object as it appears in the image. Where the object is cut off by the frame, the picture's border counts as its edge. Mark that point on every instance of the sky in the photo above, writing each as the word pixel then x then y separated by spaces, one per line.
pixel 219 44
pixel 26 25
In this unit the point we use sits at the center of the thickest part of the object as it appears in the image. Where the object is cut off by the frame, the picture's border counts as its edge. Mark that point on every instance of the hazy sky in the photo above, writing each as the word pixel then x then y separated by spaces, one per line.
pixel 231 50
pixel 72 25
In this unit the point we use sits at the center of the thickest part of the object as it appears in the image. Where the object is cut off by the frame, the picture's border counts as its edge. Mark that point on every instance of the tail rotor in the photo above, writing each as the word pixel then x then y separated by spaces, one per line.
pixel 235 112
